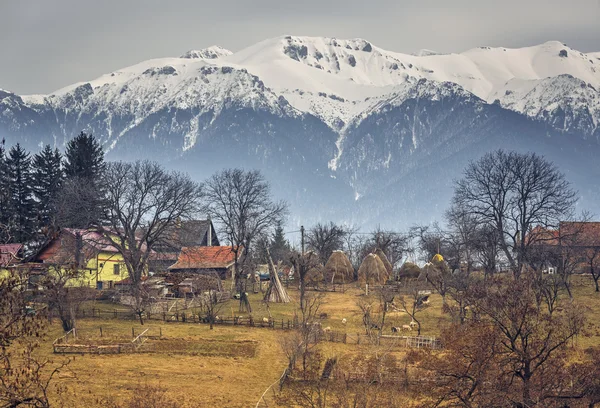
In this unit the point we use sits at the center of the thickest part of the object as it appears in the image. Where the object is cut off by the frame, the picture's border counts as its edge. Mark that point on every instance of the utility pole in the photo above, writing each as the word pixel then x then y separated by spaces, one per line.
pixel 302 237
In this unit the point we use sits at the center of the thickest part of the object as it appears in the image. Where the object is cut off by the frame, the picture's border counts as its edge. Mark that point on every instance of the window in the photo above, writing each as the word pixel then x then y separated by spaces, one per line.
pixel 116 269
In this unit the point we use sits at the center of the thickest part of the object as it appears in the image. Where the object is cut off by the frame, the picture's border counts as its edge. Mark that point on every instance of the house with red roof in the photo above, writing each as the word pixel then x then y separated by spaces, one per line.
pixel 208 260
pixel 10 254
pixel 577 241
pixel 86 255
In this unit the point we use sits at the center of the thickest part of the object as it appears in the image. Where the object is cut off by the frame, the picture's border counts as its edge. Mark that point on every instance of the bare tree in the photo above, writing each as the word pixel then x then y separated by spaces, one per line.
pixel 592 260
pixel 143 203
pixel 240 201
pixel 412 303
pixel 513 193
pixel 393 244
pixel 26 378
pixel 532 341
pixel 326 238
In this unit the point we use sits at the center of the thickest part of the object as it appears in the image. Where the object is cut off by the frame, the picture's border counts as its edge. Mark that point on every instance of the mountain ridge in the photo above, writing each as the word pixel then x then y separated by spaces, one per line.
pixel 345 114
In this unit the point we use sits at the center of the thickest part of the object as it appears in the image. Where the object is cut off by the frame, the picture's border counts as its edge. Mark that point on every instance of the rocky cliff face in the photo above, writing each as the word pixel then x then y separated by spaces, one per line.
pixel 343 129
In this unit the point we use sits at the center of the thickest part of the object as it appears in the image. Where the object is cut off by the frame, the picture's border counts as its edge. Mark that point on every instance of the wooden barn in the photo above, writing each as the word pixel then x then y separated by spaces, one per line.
pixel 208 260
pixel 192 233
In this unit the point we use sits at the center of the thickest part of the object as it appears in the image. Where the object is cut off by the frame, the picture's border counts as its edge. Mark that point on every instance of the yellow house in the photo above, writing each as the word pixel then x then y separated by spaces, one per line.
pixel 85 254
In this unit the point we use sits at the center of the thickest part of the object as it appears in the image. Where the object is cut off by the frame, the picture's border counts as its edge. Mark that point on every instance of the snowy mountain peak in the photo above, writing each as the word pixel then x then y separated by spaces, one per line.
pixel 212 52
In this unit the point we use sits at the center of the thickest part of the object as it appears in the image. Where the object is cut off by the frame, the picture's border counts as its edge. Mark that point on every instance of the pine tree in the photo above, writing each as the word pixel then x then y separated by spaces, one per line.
pixel 47 181
pixel 21 203
pixel 84 158
pixel 80 202
pixel 279 247
pixel 4 196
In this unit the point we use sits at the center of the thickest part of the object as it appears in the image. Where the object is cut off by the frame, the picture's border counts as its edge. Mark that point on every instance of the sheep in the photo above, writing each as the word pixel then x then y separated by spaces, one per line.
pixel 406 327
pixel 413 324
pixel 265 320
pixel 396 329
pixel 327 329
pixel 344 321
pixel 217 318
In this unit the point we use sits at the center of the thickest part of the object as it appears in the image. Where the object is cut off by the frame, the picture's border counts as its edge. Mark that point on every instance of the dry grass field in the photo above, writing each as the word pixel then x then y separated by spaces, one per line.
pixel 229 366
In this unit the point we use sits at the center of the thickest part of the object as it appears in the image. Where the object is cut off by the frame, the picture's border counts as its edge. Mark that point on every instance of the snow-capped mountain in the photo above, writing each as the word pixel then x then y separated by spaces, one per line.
pixel 337 121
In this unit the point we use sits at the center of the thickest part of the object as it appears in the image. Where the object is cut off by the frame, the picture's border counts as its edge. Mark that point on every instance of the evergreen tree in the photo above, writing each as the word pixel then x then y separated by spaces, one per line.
pixel 21 203
pixel 4 196
pixel 47 180
pixel 84 158
pixel 80 202
pixel 279 246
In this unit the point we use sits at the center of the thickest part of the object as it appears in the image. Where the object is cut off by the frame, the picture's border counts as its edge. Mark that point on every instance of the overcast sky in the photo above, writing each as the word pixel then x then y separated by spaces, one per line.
pixel 45 45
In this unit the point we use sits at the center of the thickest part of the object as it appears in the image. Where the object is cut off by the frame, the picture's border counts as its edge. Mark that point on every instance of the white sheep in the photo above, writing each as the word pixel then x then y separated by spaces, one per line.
pixel 406 327
pixel 344 321
pixel 327 329
pixel 413 324
pixel 265 320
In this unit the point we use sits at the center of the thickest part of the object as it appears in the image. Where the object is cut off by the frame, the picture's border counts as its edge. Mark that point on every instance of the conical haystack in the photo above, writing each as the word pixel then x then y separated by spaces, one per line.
pixel 372 271
pixel 315 274
pixel 339 269
pixel 384 259
pixel 409 270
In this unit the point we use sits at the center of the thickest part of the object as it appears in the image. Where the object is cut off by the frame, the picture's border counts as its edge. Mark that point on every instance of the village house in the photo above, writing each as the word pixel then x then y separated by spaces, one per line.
pixel 580 241
pixel 207 260
pixel 91 259
pixel 10 254
pixel 189 233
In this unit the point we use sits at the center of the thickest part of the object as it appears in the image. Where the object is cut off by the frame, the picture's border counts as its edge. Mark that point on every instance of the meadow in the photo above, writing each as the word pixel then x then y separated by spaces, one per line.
pixel 231 366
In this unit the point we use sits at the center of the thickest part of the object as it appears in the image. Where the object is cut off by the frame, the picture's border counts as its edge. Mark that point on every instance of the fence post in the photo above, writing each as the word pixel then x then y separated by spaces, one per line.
pixel 133 333
pixel 100 331
pixel 160 335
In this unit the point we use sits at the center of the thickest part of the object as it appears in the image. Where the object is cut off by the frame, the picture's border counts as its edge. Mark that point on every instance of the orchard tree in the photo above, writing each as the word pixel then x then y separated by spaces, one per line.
pixel 240 201
pixel 144 202
pixel 326 238
pixel 513 193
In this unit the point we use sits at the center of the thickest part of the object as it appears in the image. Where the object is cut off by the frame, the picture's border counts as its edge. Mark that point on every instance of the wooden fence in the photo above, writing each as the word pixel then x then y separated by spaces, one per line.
pixel 71 344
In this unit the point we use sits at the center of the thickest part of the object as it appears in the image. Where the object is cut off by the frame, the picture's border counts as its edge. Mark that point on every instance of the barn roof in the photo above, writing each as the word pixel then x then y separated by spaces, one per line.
pixel 203 257
pixel 9 253
pixel 572 233
pixel 188 233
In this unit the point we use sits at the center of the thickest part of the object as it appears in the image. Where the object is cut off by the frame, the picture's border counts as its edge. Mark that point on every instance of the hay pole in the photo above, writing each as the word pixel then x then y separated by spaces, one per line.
pixel 276 292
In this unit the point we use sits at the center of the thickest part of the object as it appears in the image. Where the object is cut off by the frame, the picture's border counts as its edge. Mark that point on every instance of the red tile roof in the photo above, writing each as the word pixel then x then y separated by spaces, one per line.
pixel 575 234
pixel 584 234
pixel 9 253
pixel 204 257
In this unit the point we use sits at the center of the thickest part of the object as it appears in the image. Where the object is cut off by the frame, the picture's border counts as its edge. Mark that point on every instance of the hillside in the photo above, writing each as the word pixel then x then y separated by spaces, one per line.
pixel 364 132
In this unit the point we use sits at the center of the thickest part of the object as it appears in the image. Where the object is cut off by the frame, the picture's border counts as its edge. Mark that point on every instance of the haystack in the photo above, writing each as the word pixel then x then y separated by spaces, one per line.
pixel 339 269
pixel 315 274
pixel 384 259
pixel 372 271
pixel 409 270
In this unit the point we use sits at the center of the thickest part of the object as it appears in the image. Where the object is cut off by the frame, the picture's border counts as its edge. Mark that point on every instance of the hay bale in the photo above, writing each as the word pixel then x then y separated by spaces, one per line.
pixel 384 259
pixel 409 270
pixel 315 274
pixel 339 269
pixel 372 271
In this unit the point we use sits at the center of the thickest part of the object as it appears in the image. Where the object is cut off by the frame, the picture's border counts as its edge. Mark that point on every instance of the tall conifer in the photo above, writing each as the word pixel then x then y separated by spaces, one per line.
pixel 47 180
pixel 21 204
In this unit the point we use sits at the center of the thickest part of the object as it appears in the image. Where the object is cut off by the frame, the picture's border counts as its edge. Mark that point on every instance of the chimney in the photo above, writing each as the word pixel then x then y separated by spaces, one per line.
pixel 209 233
